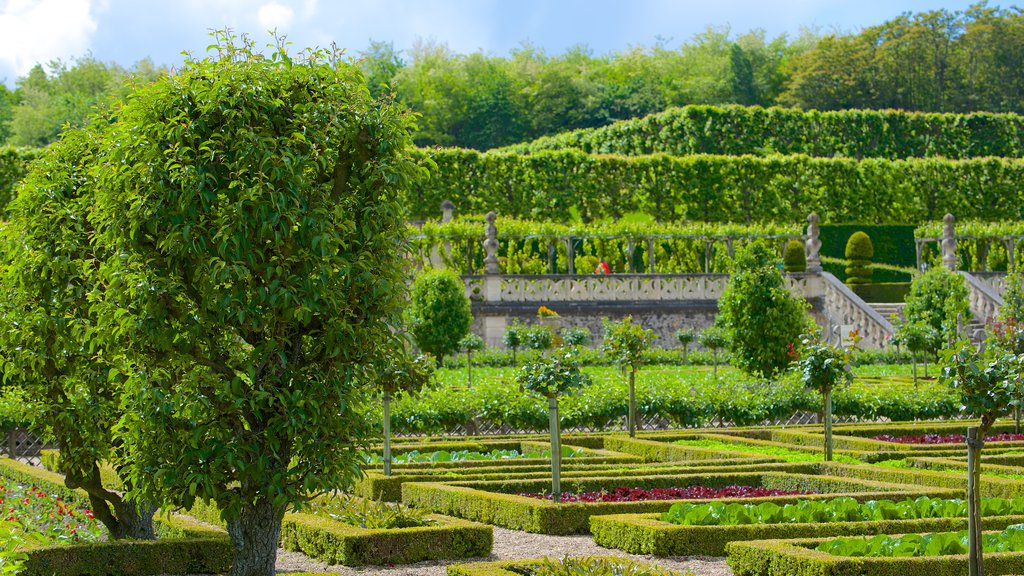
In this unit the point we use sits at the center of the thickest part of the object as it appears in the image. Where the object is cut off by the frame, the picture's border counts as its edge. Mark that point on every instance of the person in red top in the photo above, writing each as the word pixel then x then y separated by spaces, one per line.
pixel 602 268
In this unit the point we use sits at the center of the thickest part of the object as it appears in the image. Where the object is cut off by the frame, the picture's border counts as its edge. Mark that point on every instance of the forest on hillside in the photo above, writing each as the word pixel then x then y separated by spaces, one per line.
pixel 934 61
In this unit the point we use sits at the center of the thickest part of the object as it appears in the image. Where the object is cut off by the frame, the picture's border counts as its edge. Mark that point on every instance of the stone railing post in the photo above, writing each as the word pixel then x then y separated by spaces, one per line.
pixel 812 247
pixel 949 259
pixel 494 326
pixel 447 208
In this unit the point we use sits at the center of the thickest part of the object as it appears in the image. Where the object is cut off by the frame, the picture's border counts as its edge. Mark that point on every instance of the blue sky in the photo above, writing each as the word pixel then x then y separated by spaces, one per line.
pixel 126 31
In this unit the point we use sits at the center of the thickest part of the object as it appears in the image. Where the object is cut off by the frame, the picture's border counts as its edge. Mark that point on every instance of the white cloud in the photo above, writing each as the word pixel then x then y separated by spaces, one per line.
pixel 274 16
pixel 37 31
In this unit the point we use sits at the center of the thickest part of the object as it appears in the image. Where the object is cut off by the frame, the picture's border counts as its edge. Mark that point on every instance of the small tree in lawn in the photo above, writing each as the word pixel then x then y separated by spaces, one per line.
pixel 538 338
pixel 575 336
pixel 469 344
pixel 439 313
pixel 985 382
pixel 713 339
pixel 512 338
pixel 48 274
pixel 823 368
pixel 685 337
pixel 251 207
pixel 400 374
pixel 921 340
pixel 552 376
pixel 625 343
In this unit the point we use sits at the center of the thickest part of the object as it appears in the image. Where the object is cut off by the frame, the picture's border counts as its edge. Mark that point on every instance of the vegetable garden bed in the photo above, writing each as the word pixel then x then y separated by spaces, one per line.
pixel 499 503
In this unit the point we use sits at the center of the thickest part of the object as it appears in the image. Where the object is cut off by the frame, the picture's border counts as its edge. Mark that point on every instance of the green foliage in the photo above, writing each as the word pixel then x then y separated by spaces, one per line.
pixel 895 255
pixel 939 298
pixel 439 314
pixel 14 163
pixel 625 342
pixel 252 202
pixel 823 367
pixel 538 337
pixel 369 514
pixel 859 252
pixel 794 257
pixel 591 566
pixel 761 318
pixel 918 337
pixel 575 336
pixel 403 374
pixel 552 376
pixel 563 185
pixel 742 130
pixel 986 382
pixel 1013 298
pixel 713 339
pixel 937 544
pixel 685 336
pixel 471 343
pixel 512 337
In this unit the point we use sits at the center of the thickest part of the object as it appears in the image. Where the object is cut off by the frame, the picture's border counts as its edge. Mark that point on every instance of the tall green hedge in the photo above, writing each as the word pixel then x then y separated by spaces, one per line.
pixel 561 185
pixel 13 165
pixel 893 244
pixel 737 130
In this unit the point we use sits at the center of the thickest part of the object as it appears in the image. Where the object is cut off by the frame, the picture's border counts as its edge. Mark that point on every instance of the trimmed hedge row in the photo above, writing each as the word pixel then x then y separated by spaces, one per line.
pixel 520 567
pixel 992 487
pixel 497 503
pixel 558 185
pixel 186 547
pixel 797 558
pixel 736 130
pixel 647 534
pixel 337 543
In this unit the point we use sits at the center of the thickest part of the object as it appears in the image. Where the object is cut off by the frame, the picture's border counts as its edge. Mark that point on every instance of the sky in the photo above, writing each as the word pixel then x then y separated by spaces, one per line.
pixel 126 31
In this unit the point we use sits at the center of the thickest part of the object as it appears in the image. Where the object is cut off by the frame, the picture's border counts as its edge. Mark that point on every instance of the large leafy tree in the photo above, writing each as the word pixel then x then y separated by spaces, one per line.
pixel 249 204
pixel 48 278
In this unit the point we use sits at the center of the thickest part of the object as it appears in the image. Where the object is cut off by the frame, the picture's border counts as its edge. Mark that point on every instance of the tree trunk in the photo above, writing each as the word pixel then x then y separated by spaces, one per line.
pixel 121 519
pixel 828 425
pixel 387 434
pixel 254 537
pixel 631 416
pixel 554 428
pixel 974 543
pixel 469 367
pixel 913 362
pixel 714 357
pixel 514 363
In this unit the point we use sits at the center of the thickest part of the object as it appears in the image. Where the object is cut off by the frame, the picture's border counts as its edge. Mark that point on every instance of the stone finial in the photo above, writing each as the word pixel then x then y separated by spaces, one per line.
pixel 812 247
pixel 949 259
pixel 447 207
pixel 491 265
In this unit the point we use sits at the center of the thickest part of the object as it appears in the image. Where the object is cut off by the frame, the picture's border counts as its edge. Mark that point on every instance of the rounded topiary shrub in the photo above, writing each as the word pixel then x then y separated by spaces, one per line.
pixel 794 258
pixel 859 252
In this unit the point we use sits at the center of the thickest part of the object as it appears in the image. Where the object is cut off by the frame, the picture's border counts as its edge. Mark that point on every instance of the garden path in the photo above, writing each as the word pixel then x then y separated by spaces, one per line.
pixel 509 545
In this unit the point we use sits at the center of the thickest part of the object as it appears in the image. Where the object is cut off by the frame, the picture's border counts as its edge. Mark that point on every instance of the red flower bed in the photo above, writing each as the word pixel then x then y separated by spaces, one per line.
pixel 623 494
pixel 946 438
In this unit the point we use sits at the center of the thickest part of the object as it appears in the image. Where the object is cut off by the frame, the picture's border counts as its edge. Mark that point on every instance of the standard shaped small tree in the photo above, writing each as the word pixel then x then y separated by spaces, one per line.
pixel 400 374
pixel 625 343
pixel 940 299
pixel 439 313
pixel 48 275
pixel 759 315
pixel 552 376
pixel 538 337
pixel 251 208
pixel 985 382
pixel 575 336
pixel 713 339
pixel 921 340
pixel 470 343
pixel 685 337
pixel 512 338
pixel 823 368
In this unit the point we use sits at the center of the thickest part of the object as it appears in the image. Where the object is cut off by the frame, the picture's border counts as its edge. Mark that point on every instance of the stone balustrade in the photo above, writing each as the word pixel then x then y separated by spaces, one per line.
pixel 847 311
pixel 997 282
pixel 985 302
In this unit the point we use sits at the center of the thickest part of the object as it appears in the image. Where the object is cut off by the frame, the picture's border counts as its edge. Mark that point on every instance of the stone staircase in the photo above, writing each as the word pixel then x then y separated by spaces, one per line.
pixel 888 309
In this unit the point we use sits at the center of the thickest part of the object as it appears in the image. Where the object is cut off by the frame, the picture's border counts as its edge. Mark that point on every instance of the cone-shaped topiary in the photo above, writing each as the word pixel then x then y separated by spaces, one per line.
pixel 794 259
pixel 859 251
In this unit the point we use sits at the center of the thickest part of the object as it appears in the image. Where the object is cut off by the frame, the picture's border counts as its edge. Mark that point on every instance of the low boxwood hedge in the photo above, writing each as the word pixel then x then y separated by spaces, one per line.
pixel 185 547
pixel 798 558
pixel 990 487
pixel 647 534
pixel 662 450
pixel 338 543
pixel 519 567
pixel 498 503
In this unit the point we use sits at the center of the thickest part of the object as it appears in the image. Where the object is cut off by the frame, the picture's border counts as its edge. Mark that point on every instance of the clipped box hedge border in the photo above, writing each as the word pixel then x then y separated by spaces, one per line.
pixel 193 548
pixel 515 567
pixel 337 543
pixel 648 534
pixel 798 558
pixel 499 504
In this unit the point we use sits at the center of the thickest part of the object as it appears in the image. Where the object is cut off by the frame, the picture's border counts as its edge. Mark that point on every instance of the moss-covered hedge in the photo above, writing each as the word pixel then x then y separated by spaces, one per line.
pixel 647 534
pixel 797 558
pixel 337 543
pixel 497 503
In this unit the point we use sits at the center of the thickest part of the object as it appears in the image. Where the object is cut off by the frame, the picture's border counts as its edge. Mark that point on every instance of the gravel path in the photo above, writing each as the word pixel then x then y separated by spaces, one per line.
pixel 509 545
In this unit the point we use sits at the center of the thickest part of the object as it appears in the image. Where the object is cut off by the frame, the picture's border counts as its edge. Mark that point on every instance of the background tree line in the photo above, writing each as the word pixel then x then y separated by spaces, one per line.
pixel 936 61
